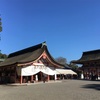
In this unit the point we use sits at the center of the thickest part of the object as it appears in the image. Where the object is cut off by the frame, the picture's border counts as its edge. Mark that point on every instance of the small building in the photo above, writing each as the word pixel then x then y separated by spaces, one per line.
pixel 90 62
pixel 28 65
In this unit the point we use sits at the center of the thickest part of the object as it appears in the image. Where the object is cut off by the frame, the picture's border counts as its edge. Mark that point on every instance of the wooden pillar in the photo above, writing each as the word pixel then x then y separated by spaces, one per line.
pixel 15 74
pixel 41 76
pixel 32 78
pixel 48 78
pixel 15 77
pixel 21 79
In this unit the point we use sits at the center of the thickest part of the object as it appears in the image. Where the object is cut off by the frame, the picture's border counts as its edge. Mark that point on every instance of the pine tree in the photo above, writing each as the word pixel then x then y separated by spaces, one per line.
pixel 0 25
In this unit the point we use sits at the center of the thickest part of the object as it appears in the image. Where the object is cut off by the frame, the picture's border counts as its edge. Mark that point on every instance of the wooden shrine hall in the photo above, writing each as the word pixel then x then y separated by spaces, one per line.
pixel 29 65
pixel 90 61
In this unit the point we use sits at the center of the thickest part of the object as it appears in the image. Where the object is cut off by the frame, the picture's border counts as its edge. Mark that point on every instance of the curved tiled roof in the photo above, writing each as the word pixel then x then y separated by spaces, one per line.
pixel 89 56
pixel 23 56
pixel 28 55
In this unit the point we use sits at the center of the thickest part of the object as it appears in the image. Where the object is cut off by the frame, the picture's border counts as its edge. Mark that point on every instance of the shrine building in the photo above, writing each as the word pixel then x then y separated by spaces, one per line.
pixel 90 62
pixel 31 64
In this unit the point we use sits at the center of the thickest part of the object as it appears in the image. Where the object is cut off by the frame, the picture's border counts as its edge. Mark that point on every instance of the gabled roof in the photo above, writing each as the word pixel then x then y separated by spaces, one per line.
pixel 93 55
pixel 28 55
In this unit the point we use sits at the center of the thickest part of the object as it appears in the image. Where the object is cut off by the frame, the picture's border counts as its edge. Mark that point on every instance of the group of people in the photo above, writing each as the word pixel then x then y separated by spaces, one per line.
pixel 91 76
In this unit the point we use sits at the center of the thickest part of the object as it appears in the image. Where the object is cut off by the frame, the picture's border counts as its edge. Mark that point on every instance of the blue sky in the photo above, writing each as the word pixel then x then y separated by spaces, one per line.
pixel 69 27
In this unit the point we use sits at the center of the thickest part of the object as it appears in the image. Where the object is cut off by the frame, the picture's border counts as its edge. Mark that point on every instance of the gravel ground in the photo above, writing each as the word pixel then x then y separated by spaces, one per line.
pixel 65 90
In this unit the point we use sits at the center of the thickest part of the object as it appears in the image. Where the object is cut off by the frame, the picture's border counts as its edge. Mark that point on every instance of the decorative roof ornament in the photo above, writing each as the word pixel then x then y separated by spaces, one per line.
pixel 44 44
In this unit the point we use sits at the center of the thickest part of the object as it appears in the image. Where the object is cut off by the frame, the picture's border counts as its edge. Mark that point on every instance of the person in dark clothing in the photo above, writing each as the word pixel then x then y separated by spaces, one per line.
pixel 44 78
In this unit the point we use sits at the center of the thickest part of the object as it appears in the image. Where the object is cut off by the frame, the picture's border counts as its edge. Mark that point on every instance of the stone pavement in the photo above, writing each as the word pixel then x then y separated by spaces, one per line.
pixel 65 90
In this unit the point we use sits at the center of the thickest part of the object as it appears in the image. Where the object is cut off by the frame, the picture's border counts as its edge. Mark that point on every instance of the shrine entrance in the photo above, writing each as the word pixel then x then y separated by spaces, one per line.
pixel 41 76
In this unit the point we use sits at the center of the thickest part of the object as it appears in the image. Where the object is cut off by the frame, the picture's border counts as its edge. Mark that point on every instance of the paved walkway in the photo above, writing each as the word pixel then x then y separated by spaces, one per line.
pixel 25 84
pixel 65 90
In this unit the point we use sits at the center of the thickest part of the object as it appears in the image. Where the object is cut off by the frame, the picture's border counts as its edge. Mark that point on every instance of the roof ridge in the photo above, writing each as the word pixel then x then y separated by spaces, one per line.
pixel 91 51
pixel 28 49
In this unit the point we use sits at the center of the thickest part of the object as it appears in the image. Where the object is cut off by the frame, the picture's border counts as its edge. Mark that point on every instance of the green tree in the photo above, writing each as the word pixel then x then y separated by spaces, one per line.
pixel 76 68
pixel 0 25
pixel 73 66
pixel 3 56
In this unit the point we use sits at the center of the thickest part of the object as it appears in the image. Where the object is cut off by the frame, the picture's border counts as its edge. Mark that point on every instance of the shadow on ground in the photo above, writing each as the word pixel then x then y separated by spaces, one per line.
pixel 92 86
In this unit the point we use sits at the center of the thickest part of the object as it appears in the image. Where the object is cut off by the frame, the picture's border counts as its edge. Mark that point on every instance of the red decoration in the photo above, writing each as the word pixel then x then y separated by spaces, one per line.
pixel 44 57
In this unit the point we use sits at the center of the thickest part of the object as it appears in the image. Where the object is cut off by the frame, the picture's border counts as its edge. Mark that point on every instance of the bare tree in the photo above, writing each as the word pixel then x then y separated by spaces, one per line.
pixel 61 60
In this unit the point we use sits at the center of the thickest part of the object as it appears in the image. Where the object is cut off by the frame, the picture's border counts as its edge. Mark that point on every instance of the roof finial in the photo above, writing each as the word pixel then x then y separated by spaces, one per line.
pixel 44 44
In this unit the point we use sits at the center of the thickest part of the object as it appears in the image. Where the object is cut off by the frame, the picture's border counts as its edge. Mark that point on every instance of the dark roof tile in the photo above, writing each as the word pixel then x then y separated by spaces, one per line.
pixel 28 55
pixel 89 56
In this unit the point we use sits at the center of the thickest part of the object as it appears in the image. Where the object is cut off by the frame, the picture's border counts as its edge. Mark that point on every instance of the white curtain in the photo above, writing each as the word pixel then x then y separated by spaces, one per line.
pixel 65 71
pixel 48 71
pixel 31 70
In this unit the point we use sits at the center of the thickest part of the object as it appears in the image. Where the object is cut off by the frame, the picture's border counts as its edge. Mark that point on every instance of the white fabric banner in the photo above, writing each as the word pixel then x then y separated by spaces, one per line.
pixel 31 70
pixel 65 71
pixel 28 71
pixel 34 69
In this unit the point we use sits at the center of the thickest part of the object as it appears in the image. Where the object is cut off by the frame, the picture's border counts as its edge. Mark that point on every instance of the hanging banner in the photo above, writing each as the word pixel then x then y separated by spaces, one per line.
pixel 65 71
pixel 31 70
